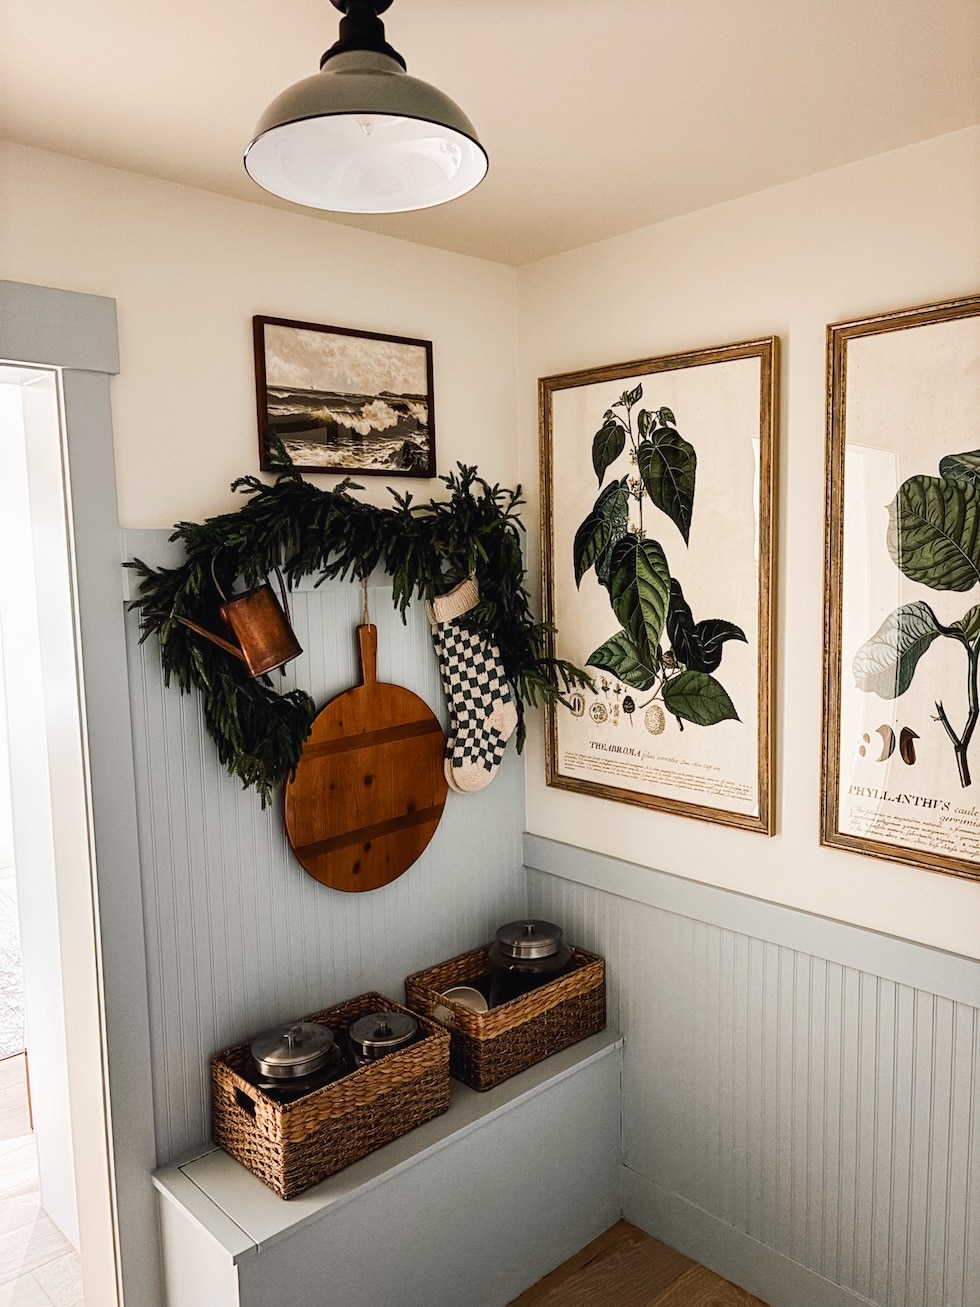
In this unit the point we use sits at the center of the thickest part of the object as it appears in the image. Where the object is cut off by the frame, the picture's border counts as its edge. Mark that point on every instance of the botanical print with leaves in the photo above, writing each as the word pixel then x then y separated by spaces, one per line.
pixel 653 488
pixel 909 647
pixel 631 565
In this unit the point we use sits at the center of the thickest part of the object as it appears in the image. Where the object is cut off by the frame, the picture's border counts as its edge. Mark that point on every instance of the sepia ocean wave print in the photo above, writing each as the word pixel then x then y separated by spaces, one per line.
pixel 328 429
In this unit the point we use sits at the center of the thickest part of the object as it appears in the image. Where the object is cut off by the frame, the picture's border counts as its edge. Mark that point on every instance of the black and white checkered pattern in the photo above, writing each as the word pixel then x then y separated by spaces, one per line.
pixel 481 705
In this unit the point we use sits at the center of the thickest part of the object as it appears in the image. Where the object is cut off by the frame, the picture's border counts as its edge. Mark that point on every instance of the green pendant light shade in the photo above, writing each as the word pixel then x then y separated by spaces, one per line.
pixel 361 136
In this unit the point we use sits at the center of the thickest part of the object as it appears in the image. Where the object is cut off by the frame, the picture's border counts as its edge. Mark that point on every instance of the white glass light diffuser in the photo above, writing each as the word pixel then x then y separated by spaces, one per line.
pixel 361 136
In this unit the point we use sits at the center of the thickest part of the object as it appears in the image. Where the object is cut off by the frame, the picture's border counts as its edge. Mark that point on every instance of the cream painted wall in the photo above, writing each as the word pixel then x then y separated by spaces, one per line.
pixel 887 233
pixel 189 269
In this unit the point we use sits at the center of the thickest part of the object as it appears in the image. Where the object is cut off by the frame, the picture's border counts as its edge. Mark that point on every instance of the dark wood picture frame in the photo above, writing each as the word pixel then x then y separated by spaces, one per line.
pixel 342 401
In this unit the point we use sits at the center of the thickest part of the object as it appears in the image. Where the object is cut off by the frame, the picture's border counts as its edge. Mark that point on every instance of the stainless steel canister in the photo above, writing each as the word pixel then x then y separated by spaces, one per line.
pixel 295 1059
pixel 379 1033
pixel 524 955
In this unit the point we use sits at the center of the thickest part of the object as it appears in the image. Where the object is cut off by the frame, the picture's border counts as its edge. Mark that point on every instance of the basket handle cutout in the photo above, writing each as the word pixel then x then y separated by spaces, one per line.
pixel 245 1103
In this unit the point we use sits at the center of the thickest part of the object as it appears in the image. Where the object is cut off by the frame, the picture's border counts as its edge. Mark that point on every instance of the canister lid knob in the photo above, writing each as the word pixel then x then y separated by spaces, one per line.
pixel 529 939
pixel 380 1032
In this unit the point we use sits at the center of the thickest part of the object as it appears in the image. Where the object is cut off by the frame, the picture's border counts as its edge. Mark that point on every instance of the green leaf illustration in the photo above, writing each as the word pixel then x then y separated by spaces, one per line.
pixel 713 632
pixel 623 659
pixel 969 623
pixel 603 567
pixel 699 698
pixel 934 532
pixel 631 397
pixel 666 417
pixel 934 539
pixel 614 502
pixel 698 645
pixel 667 465
pixel 639 588
pixel 607 445
pixel 962 467
pixel 600 530
pixel 680 624
pixel 885 664
pixel 591 541
pixel 644 421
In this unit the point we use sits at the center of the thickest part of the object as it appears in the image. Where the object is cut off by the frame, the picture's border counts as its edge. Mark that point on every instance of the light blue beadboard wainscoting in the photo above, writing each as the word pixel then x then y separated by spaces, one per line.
pixel 801 1097
pixel 238 936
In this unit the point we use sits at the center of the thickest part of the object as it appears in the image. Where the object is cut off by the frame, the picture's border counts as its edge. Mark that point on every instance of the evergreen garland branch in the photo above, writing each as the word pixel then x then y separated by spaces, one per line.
pixel 425 548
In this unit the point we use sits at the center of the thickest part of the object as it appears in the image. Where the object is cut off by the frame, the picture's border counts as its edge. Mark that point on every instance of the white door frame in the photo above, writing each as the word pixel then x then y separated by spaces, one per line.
pixel 77 334
pixel 48 793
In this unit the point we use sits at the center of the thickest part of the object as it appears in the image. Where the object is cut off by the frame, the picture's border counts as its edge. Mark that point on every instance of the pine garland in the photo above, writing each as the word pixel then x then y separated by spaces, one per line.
pixel 425 549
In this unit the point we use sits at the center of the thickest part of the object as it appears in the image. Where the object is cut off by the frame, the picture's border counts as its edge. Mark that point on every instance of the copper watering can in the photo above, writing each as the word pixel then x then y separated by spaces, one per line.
pixel 259 623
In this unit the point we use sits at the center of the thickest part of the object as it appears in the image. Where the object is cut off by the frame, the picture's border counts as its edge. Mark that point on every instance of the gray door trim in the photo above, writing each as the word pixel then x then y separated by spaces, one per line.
pixel 77 333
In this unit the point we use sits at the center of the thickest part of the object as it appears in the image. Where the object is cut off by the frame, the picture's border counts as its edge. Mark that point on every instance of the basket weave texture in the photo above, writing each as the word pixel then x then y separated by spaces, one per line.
pixel 489 1047
pixel 291 1146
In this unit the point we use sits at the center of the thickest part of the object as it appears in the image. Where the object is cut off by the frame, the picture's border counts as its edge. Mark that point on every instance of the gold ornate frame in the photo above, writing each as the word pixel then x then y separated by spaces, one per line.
pixel 921 813
pixel 760 503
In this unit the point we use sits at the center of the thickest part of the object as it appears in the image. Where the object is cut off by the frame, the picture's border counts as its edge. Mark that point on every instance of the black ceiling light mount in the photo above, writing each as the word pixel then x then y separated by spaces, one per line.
pixel 362 29
pixel 362 136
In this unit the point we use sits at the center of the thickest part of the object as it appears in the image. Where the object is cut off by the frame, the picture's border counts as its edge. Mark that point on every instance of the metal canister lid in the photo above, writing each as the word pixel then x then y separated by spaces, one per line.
pixel 382 1031
pixel 296 1049
pixel 529 939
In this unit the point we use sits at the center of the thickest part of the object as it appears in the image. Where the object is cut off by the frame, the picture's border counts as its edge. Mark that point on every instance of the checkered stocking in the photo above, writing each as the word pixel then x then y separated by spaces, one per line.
pixel 481 706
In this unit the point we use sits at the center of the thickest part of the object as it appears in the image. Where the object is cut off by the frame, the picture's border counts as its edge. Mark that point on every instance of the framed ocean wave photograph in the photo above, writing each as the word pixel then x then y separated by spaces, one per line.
pixel 332 399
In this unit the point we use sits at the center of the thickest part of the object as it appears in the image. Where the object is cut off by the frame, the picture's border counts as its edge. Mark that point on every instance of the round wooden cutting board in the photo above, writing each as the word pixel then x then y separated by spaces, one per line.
pixel 369 788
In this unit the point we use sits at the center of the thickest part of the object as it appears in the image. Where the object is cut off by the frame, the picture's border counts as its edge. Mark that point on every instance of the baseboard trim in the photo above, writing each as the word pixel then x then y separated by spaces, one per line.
pixel 768 1274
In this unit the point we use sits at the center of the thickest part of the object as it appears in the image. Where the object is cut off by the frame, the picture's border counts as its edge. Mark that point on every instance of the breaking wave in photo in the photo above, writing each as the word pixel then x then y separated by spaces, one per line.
pixel 384 432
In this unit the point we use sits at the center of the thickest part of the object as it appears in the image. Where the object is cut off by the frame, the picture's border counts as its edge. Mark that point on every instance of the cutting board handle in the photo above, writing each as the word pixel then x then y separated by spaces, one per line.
pixel 367 640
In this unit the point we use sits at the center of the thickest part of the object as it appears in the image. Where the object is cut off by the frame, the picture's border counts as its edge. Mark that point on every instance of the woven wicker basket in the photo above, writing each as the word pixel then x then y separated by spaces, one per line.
pixel 489 1047
pixel 294 1145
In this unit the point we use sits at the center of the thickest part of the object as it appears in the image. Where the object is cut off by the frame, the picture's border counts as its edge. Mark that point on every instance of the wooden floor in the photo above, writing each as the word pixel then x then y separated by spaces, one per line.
pixel 626 1268
pixel 38 1266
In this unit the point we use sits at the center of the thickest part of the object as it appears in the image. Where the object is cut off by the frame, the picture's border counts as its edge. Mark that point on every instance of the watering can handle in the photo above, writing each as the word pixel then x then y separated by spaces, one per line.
pixel 282 591
pixel 214 578
pixel 224 597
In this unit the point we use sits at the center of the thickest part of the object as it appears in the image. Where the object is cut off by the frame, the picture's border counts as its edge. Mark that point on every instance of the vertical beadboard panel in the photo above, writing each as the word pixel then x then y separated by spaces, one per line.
pixel 831 1114
pixel 238 936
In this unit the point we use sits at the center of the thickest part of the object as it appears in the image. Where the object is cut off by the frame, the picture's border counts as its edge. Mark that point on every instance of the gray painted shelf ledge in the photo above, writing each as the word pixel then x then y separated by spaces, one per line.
pixel 238 1212
pixel 936 971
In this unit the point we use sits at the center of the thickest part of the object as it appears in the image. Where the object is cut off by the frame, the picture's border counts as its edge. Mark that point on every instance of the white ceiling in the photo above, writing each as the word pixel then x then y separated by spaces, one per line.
pixel 599 116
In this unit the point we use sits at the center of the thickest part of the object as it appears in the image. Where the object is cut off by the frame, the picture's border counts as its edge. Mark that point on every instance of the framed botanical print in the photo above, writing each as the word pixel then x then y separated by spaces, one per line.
pixel 658 496
pixel 901 756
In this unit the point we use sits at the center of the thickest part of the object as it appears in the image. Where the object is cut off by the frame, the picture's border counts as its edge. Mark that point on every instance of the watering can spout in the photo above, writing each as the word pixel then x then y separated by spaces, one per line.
pixel 210 635
pixel 259 623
